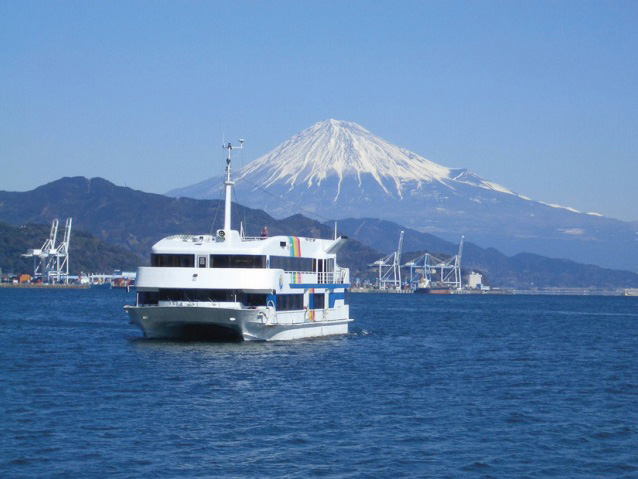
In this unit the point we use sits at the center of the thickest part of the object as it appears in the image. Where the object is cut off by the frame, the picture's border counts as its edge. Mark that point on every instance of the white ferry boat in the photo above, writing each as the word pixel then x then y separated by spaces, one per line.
pixel 231 287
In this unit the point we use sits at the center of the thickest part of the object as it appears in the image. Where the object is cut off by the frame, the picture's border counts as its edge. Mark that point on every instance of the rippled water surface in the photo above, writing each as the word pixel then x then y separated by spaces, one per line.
pixel 459 386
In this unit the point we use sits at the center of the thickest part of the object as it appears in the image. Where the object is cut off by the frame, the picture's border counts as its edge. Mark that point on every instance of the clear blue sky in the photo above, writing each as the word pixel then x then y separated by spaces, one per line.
pixel 541 97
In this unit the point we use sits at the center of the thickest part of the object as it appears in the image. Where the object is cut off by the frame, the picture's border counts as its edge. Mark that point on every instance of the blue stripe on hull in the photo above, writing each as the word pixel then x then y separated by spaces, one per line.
pixel 333 297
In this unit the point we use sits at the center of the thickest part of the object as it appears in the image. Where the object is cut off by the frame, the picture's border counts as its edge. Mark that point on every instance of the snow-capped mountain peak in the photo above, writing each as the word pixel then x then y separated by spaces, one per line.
pixel 343 149
pixel 332 155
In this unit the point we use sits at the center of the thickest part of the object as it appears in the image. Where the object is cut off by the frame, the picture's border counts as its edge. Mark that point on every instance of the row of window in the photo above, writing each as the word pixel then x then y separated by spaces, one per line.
pixel 290 263
pixel 294 302
pixel 237 261
pixel 284 302
pixel 289 302
pixel 206 295
pixel 287 263
pixel 173 260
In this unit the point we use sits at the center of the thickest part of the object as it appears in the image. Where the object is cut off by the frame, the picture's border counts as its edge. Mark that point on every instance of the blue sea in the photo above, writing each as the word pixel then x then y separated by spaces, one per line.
pixel 423 386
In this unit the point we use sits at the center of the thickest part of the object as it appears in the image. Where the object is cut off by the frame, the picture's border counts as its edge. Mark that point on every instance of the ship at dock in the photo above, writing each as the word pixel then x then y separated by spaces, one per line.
pixel 228 286
pixel 434 290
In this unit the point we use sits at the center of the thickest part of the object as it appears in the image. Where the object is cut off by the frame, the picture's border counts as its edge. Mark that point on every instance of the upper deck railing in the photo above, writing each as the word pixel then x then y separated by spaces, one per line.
pixel 338 276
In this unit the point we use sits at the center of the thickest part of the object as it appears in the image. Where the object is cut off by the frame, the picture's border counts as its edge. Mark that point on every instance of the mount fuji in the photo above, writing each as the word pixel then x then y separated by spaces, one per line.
pixel 338 169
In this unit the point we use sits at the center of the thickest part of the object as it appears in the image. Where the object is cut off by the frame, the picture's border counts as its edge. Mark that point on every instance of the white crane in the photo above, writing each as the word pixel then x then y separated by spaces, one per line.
pixel 51 261
pixel 390 268
pixel 428 270
pixel 62 253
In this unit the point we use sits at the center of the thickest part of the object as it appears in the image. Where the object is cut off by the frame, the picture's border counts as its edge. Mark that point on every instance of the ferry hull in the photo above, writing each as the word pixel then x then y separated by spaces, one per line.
pixel 222 324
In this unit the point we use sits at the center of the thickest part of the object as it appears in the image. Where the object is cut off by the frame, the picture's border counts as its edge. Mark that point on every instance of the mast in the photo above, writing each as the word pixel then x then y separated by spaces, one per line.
pixel 229 185
pixel 398 258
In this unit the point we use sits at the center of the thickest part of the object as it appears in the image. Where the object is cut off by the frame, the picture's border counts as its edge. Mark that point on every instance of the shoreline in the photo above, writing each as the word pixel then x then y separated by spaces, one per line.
pixel 44 286
pixel 506 292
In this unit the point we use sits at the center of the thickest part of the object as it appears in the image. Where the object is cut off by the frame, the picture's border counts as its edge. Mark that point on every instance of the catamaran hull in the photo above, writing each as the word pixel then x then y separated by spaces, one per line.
pixel 220 324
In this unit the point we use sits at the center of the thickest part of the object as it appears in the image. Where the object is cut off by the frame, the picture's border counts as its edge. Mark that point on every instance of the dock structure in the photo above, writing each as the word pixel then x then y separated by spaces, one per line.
pixel 55 286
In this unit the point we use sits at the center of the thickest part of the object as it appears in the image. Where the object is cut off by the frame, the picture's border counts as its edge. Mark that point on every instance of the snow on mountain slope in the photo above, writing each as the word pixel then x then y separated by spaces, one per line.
pixel 344 149
pixel 338 169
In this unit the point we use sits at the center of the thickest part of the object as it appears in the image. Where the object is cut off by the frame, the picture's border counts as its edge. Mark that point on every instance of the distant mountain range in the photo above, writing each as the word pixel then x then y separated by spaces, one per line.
pixel 522 271
pixel 135 220
pixel 338 169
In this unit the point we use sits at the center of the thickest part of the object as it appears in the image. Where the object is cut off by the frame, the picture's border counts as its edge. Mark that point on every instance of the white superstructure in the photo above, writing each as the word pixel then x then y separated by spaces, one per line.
pixel 227 286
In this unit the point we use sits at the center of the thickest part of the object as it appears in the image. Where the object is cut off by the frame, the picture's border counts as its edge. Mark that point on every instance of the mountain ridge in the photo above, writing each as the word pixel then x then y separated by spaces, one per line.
pixel 136 220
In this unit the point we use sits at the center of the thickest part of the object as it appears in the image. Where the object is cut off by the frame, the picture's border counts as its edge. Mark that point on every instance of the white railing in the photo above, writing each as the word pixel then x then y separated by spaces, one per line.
pixel 254 238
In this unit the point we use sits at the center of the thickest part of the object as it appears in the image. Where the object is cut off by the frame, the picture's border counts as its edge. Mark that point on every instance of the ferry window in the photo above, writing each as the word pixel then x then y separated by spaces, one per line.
pixel 318 300
pixel 201 261
pixel 253 299
pixel 223 295
pixel 144 298
pixel 289 263
pixel 237 261
pixel 206 295
pixel 324 265
pixel 289 302
pixel 173 260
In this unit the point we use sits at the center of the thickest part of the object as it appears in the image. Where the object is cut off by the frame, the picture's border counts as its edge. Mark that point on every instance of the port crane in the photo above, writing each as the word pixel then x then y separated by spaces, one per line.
pixel 428 270
pixel 51 261
pixel 390 268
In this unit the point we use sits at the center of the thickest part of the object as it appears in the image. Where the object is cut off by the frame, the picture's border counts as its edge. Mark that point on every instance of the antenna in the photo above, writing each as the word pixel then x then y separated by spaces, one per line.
pixel 229 184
